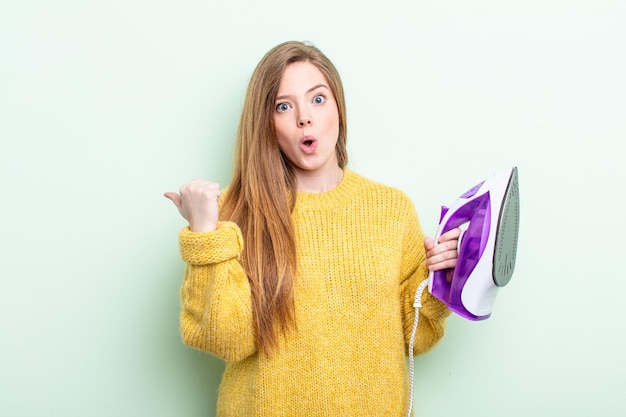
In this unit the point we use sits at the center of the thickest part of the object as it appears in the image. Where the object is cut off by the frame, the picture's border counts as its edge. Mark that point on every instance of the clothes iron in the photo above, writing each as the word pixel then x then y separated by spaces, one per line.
pixel 488 215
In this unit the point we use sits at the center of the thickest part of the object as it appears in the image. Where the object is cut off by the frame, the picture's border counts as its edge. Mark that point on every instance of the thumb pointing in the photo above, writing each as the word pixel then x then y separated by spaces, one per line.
pixel 175 199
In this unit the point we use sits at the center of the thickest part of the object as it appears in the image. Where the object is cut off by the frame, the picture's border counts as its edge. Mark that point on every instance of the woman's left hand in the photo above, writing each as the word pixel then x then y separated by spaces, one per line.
pixel 444 254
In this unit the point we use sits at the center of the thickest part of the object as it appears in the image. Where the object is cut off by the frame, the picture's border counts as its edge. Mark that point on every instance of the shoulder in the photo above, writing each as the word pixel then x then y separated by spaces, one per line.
pixel 383 194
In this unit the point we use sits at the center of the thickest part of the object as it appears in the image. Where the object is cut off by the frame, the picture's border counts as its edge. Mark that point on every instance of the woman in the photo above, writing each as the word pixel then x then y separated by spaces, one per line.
pixel 301 275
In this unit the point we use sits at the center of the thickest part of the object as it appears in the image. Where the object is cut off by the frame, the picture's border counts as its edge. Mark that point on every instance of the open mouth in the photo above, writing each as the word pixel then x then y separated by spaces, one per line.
pixel 308 144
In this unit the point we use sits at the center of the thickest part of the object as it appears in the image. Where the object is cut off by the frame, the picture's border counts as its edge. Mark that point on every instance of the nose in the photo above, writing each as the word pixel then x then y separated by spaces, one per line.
pixel 304 120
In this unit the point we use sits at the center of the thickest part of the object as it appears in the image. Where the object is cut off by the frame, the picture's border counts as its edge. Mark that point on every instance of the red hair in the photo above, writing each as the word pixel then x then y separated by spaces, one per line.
pixel 262 193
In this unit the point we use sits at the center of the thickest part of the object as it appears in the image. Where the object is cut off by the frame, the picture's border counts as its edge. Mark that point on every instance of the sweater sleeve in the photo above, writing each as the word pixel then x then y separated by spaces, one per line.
pixel 216 312
pixel 433 312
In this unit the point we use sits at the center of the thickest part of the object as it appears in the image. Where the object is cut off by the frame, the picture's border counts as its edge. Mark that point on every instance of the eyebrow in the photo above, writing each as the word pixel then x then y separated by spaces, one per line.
pixel 315 87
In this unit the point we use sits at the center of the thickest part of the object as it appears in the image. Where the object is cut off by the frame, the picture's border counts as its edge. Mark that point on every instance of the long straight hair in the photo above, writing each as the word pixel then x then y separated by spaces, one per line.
pixel 262 192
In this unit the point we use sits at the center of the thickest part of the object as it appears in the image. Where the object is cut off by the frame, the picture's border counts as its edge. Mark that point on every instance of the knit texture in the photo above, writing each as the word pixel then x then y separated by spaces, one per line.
pixel 360 260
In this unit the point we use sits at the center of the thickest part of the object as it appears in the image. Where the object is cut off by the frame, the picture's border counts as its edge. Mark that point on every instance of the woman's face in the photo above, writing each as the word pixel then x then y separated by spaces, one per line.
pixel 306 119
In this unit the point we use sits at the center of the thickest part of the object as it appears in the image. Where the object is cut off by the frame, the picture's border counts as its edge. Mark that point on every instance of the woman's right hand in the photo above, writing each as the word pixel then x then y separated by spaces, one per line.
pixel 197 203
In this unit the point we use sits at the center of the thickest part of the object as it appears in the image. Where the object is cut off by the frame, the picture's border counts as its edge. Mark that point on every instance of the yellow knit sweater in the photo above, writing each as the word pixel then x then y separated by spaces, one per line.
pixel 360 260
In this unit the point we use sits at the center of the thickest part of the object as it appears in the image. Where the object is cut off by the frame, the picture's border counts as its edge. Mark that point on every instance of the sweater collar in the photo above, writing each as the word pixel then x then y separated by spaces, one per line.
pixel 338 196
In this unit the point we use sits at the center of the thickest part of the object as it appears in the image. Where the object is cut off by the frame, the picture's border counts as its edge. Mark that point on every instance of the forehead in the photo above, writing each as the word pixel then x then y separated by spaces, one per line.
pixel 299 77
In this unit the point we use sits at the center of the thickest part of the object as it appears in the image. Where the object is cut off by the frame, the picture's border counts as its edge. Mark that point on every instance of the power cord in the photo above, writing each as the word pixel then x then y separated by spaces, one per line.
pixel 417 304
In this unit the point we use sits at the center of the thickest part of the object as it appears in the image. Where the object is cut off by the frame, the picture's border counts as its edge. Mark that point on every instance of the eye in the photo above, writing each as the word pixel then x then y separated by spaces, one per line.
pixel 282 107
pixel 319 99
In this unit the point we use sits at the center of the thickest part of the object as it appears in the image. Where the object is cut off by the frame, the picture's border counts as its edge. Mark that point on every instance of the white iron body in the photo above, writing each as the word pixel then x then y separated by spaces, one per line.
pixel 488 215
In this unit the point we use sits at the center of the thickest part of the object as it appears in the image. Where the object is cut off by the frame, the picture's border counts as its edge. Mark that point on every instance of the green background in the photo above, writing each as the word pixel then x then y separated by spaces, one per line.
pixel 105 105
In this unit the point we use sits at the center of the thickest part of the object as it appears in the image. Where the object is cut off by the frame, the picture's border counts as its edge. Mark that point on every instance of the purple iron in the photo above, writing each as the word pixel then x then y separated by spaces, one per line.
pixel 488 214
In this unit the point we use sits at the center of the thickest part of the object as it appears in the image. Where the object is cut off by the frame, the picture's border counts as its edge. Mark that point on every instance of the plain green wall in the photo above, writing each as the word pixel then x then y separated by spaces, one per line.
pixel 105 105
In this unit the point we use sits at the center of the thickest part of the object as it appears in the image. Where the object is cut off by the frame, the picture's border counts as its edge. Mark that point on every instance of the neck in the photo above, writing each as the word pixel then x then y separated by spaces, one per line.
pixel 319 182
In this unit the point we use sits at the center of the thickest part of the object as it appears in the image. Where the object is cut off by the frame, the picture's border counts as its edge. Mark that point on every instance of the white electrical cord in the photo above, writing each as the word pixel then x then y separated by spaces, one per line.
pixel 416 304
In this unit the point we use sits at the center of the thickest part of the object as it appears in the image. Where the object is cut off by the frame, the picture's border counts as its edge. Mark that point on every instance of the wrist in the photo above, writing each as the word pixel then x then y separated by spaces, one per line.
pixel 202 227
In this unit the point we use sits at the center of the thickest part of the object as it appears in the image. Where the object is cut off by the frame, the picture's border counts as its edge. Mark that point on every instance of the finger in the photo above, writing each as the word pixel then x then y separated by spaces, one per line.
pixel 442 250
pixel 443 255
pixel 450 235
pixel 175 199
pixel 442 264
pixel 446 256
pixel 429 243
